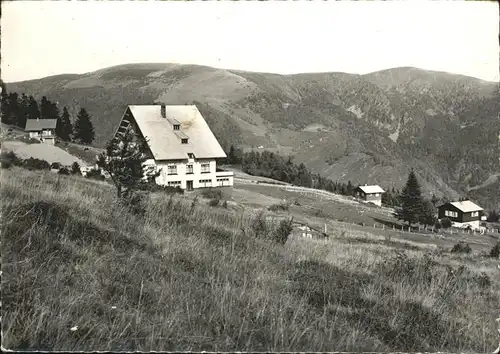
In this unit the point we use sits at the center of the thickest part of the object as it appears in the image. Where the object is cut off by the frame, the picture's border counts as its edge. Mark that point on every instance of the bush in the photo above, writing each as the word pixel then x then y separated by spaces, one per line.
pixel 153 187
pixel 63 171
pixel 461 247
pixel 493 216
pixel 259 225
pixel 211 193
pixel 495 250
pixel 214 202
pixel 55 165
pixel 75 168
pixel 446 223
pixel 8 159
pixel 36 164
pixel 283 231
pixel 438 225
pixel 95 174
pixel 283 206
pixel 224 205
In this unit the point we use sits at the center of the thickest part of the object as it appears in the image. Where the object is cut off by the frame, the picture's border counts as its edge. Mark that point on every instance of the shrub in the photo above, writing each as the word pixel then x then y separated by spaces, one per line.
pixel 446 223
pixel 493 216
pixel 283 231
pixel 55 165
pixel 214 202
pixel 224 205
pixel 461 247
pixel 283 206
pixel 259 225
pixel 95 174
pixel 438 225
pixel 36 164
pixel 495 250
pixel 63 171
pixel 9 158
pixel 151 186
pixel 75 168
pixel 211 193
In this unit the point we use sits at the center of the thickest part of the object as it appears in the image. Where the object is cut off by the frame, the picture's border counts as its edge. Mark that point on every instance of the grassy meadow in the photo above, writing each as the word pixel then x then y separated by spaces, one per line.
pixel 81 272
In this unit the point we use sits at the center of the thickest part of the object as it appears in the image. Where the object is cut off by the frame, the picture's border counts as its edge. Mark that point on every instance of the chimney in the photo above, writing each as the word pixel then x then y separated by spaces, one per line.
pixel 163 111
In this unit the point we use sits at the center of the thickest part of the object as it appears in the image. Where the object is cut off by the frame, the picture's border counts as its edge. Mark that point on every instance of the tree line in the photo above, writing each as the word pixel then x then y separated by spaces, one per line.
pixel 275 166
pixel 409 203
pixel 17 109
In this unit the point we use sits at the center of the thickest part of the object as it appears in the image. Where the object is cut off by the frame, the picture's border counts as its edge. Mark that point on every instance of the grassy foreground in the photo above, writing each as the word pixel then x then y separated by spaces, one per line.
pixel 81 273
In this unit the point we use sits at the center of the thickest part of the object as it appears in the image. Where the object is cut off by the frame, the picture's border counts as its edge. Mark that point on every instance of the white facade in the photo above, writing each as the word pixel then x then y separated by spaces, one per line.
pixel 473 224
pixel 191 174
pixel 45 136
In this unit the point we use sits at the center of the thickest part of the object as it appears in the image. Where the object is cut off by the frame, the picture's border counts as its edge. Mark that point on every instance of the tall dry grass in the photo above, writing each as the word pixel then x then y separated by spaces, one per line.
pixel 82 273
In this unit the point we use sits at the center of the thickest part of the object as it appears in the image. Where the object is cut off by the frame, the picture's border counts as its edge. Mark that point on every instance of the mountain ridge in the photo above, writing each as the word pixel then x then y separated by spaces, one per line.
pixel 364 128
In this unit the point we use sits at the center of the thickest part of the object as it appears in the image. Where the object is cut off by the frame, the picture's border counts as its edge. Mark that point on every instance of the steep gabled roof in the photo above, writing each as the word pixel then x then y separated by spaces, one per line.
pixel 34 125
pixel 371 189
pixel 466 206
pixel 165 142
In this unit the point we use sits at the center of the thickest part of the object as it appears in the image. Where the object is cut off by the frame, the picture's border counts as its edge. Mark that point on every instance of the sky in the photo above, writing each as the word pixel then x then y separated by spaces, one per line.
pixel 43 38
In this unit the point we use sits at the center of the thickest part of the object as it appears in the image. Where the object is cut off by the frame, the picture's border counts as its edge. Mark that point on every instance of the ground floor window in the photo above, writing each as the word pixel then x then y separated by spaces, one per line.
pixel 174 183
pixel 206 182
pixel 223 181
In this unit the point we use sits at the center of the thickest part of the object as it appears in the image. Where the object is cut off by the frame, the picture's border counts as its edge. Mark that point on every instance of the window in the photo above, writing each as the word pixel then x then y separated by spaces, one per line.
pixel 377 194
pixel 189 168
pixel 174 183
pixel 474 214
pixel 177 127
pixel 450 213
pixel 206 182
pixel 191 156
pixel 205 168
pixel 184 141
pixel 172 169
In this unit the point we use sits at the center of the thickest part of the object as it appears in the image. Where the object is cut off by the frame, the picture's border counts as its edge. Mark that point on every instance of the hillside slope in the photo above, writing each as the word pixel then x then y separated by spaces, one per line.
pixel 80 272
pixel 364 128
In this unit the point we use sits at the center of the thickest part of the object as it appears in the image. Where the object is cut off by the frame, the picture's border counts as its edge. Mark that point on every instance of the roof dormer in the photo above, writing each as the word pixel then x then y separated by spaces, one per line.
pixel 177 127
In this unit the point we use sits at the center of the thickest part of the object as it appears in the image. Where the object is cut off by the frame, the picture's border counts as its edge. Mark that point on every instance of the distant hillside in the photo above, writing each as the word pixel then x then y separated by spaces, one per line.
pixel 364 128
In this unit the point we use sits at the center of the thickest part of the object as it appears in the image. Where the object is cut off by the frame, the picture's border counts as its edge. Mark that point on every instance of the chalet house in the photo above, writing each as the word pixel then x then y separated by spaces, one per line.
pixel 461 214
pixel 42 129
pixel 370 194
pixel 181 145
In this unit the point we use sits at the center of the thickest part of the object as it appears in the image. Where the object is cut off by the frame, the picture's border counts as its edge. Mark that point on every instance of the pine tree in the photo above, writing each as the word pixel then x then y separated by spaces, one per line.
pixel 33 111
pixel 427 216
pixel 411 202
pixel 83 128
pixel 64 128
pixel 45 108
pixel 5 107
pixel 24 107
pixel 10 111
pixel 123 161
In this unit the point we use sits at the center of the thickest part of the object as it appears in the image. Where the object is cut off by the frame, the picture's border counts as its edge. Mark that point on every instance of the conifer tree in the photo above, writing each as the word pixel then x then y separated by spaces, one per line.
pixel 64 128
pixel 83 128
pixel 123 160
pixel 44 108
pixel 33 111
pixel 411 204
